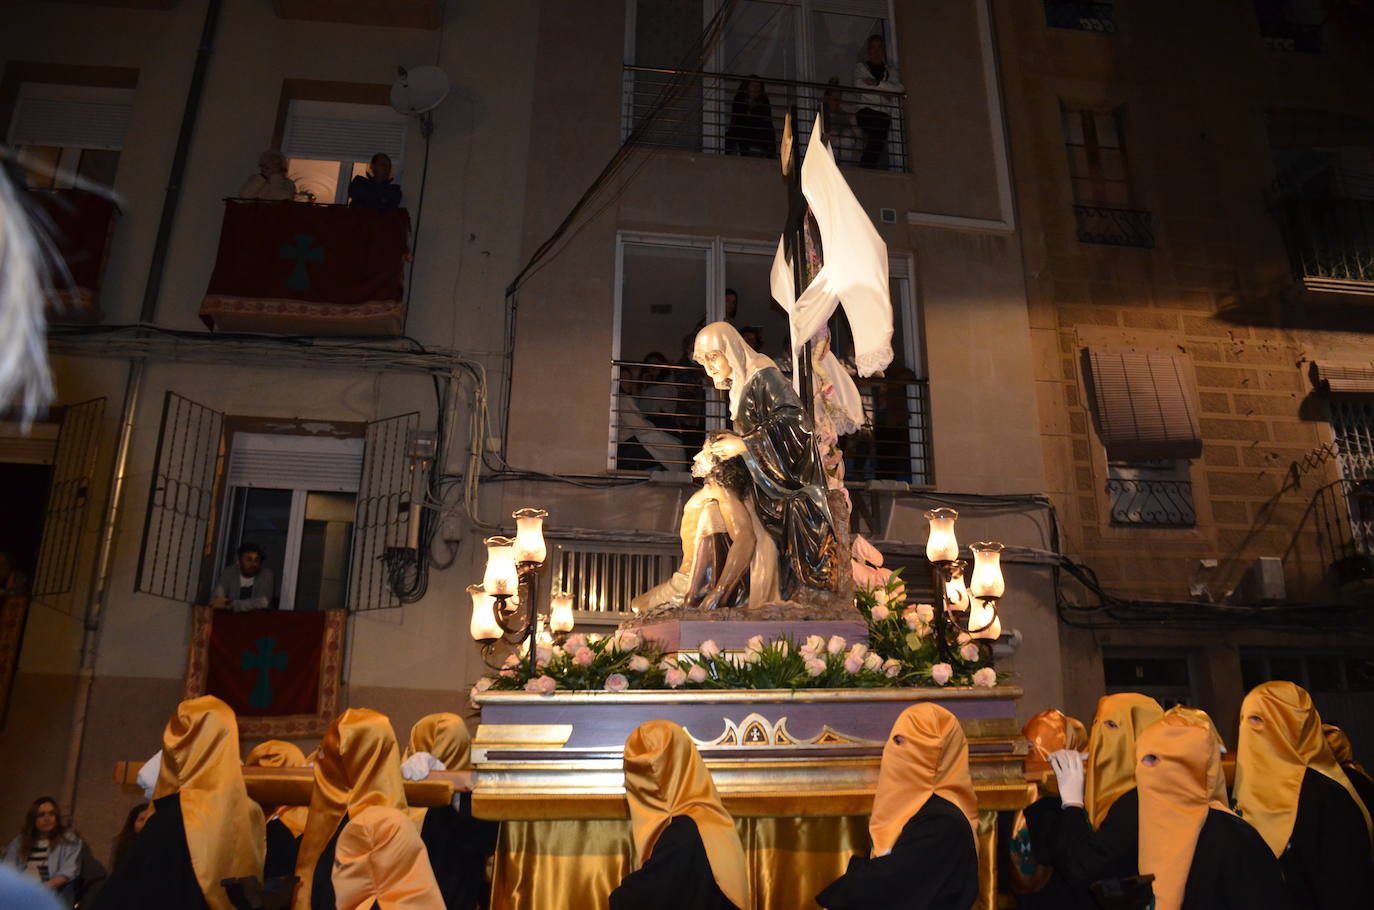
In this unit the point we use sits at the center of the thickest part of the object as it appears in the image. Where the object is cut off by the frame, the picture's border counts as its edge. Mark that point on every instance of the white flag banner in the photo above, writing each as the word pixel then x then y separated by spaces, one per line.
pixel 854 273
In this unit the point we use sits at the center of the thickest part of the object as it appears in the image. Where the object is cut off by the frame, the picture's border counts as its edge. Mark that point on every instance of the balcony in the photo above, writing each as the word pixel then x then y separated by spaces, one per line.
pixel 708 113
pixel 1152 503
pixel 1328 229
pixel 81 225
pixel 1286 32
pixel 293 268
pixel 1080 16
pixel 661 413
pixel 1114 226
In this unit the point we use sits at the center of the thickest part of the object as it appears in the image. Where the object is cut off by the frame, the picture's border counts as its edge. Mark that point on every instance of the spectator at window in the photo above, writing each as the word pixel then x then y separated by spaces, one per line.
pixel 750 131
pixel 244 585
pixel 375 190
pixel 270 182
pixel 133 824
pixel 47 852
pixel 874 115
pixel 840 132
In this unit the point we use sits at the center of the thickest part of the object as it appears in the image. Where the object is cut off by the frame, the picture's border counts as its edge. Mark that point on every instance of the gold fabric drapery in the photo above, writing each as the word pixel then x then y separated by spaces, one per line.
pixel 577 863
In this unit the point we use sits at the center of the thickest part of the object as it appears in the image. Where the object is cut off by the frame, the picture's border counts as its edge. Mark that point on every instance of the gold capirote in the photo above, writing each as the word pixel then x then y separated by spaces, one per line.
pixel 1119 721
pixel 931 759
pixel 278 753
pixel 380 859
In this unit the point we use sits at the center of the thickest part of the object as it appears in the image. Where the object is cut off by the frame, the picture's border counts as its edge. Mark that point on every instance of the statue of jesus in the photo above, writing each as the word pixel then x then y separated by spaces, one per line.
pixel 775 439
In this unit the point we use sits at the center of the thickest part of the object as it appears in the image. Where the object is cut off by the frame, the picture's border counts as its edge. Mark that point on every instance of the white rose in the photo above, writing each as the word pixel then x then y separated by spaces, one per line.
pixel 880 613
pixel 985 677
pixel 941 673
pixel 969 651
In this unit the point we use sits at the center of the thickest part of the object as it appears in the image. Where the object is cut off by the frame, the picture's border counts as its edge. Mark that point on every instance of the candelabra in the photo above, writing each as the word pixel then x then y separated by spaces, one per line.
pixel 505 606
pixel 963 607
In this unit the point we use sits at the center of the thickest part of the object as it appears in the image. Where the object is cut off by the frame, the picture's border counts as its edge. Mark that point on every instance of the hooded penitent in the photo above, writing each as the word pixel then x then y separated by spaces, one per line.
pixel 1050 731
pixel 1280 738
pixel 200 763
pixel 931 759
pixel 444 736
pixel 359 765
pixel 277 753
pixel 665 777
pixel 381 862
pixel 1178 776
pixel 1120 719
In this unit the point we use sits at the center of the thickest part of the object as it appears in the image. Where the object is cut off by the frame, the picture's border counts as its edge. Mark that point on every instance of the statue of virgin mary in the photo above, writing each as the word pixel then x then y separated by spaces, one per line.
pixel 776 441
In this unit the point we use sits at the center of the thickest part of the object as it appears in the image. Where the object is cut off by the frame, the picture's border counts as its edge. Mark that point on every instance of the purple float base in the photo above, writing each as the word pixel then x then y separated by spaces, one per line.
pixel 687 635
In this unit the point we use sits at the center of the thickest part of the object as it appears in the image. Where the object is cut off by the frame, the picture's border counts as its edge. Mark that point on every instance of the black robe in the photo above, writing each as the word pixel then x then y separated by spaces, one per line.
pixel 458 847
pixel 789 482
pixel 676 877
pixel 157 870
pixel 322 882
pixel 1233 869
pixel 282 847
pixel 933 866
pixel 1327 863
pixel 1063 838
pixel 1057 893
pixel 1363 784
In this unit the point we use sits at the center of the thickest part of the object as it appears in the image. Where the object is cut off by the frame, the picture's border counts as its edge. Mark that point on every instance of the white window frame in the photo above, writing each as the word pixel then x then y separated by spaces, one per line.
pixel 900 267
pixel 343 112
pixel 300 489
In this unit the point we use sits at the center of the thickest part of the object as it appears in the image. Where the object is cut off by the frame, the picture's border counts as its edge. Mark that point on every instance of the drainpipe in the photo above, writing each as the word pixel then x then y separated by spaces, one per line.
pixel 133 389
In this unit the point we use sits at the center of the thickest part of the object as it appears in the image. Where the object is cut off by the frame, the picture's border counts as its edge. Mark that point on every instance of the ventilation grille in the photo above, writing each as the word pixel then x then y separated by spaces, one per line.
pixel 605 578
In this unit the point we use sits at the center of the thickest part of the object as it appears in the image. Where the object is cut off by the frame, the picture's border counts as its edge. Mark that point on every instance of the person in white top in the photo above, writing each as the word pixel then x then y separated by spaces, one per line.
pixel 270 182
pixel 874 116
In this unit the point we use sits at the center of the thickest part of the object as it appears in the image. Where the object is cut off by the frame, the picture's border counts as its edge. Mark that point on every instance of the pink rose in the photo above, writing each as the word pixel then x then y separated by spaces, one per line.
pixel 815 667
pixel 697 674
pixel 969 652
pixel 639 663
pixel 674 678
pixel 575 643
pixel 628 640
pixel 881 613
pixel 941 673
pixel 925 612
pixel 853 664
pixel 964 638
pixel 709 649
pixel 667 663
pixel 542 656
pixel 892 668
pixel 755 644
pixel 617 682
pixel 986 677
pixel 585 657
pixel 835 645
pixel 541 684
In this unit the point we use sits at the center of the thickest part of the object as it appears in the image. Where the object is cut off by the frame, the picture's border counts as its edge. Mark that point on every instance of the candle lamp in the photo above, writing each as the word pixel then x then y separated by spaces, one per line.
pixel 968 601
pixel 505 606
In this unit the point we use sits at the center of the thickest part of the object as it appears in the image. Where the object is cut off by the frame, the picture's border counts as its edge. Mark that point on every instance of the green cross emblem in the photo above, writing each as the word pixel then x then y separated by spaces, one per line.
pixel 304 249
pixel 263 660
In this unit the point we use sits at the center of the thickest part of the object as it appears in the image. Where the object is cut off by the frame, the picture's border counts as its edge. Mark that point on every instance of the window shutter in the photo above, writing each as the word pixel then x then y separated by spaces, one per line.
pixel 338 131
pixel 64 519
pixel 868 9
pixel 1141 405
pixel 382 518
pixel 1342 378
pixel 290 462
pixel 71 116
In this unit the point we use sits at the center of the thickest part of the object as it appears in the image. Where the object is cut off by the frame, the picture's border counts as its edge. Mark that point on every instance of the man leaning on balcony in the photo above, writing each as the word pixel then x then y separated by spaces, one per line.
pixel 876 106
pixel 244 585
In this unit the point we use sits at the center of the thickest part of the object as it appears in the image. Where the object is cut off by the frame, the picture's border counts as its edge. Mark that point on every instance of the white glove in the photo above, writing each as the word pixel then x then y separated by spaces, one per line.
pixel 1068 771
pixel 148 774
pixel 418 766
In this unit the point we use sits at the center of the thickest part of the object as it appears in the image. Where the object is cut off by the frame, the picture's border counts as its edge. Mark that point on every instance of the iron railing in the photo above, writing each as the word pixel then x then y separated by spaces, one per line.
pixel 661 413
pixel 1114 226
pixel 1157 503
pixel 1080 15
pixel 1342 514
pixel 711 113
pixel 1282 31
pixel 1330 238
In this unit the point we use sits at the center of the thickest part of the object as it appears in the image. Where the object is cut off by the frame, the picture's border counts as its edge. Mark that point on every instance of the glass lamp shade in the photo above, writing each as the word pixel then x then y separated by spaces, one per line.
pixel 501 576
pixel 942 545
pixel 956 592
pixel 561 613
pixel 529 535
pixel 483 626
pixel 983 621
pixel 987 578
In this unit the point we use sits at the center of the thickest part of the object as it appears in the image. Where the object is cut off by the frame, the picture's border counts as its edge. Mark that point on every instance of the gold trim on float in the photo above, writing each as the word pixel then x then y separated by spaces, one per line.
pixel 757 730
pixel 528 736
pixel 752 696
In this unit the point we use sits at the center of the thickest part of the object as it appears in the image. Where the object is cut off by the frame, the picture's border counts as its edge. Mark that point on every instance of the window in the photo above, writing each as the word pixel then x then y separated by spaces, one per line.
pixel 328 143
pixel 63 133
pixel 1352 425
pixel 1080 15
pixel 1157 493
pixel 1100 178
pixel 1164 676
pixel 1317 672
pixel 662 406
pixel 1292 25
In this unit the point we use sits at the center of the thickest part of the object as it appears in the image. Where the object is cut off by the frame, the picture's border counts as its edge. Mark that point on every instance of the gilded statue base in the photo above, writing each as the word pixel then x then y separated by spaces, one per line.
pixel 797 770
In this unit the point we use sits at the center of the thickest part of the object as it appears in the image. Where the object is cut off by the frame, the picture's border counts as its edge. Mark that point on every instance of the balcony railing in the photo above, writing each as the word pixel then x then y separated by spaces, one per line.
pixel 1283 32
pixel 1080 15
pixel 661 413
pixel 1330 240
pixel 1157 503
pixel 715 114
pixel 1114 226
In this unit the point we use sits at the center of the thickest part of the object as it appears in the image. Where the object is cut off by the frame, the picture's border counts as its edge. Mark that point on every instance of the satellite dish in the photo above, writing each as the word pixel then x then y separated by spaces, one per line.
pixel 418 89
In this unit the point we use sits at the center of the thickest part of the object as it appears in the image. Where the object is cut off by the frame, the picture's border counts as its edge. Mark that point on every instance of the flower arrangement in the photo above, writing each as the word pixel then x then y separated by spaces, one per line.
pixel 901 651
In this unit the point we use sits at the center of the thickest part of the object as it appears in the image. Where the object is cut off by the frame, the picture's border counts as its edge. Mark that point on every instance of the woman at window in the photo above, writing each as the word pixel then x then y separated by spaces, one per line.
pixel 877 76
pixel 47 851
pixel 751 121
